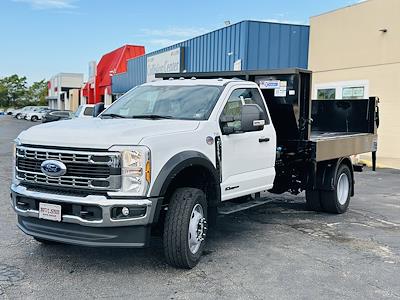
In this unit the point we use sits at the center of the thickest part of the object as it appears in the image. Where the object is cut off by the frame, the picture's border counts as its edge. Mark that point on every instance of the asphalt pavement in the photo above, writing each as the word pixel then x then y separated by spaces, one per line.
pixel 275 251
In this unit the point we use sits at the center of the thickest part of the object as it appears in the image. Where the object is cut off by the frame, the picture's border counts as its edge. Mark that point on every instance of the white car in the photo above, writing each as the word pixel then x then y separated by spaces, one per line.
pixel 84 111
pixel 36 114
pixel 20 113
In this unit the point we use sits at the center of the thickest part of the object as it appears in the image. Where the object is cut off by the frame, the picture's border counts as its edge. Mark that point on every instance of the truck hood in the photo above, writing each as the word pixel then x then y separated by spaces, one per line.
pixel 101 133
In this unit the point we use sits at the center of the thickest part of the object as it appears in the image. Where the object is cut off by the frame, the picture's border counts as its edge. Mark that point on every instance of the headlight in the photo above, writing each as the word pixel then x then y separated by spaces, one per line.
pixel 135 169
pixel 14 179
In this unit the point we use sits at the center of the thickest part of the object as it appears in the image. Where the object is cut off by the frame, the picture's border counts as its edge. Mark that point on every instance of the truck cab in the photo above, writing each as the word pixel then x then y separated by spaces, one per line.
pixel 167 154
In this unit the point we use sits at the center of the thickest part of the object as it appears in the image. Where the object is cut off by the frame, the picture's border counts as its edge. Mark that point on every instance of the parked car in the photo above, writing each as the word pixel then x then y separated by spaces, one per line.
pixel 20 113
pixel 38 114
pixel 57 116
pixel 10 110
pixel 85 111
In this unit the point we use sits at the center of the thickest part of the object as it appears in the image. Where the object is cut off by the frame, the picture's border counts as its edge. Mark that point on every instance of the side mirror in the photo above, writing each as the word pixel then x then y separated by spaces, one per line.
pixel 253 118
pixel 224 120
pixel 98 108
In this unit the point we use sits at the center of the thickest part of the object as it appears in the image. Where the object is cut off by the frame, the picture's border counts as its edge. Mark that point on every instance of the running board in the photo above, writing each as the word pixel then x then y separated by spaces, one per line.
pixel 231 208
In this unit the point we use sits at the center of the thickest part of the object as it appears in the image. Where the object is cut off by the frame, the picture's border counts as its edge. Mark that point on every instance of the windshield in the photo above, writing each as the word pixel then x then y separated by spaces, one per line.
pixel 173 102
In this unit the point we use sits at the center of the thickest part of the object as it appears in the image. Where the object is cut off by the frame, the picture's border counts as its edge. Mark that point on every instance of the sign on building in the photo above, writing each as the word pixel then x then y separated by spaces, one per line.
pixel 164 62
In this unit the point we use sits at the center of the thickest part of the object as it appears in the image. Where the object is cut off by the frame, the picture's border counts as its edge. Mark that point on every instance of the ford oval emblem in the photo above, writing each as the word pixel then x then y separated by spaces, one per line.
pixel 53 168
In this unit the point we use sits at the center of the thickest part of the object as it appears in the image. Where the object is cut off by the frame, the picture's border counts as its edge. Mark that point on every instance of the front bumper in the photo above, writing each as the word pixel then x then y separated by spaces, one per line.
pixel 105 230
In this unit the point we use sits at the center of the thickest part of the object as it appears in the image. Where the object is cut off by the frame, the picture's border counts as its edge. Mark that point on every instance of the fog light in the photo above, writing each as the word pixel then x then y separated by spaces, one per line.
pixel 125 211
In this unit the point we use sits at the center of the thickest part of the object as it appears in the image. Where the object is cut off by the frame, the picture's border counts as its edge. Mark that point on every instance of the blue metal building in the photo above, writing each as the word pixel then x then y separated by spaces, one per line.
pixel 256 45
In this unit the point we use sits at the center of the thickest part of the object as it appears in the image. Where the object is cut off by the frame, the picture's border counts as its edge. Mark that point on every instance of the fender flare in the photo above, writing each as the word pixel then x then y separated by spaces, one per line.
pixel 178 163
pixel 326 172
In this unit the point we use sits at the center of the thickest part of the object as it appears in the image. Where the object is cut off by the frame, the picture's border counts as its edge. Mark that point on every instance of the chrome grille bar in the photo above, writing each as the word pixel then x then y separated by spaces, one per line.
pixel 88 170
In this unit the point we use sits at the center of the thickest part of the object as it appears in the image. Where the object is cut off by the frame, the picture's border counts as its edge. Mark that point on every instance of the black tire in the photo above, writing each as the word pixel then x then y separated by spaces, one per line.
pixel 18 116
pixel 44 241
pixel 34 118
pixel 176 227
pixel 329 199
pixel 313 200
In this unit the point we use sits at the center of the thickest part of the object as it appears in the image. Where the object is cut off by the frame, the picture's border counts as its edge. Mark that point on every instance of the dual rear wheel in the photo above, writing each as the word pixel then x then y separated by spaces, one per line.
pixel 337 200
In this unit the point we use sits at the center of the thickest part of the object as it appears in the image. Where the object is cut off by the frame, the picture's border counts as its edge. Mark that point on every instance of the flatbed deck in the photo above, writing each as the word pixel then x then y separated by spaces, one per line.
pixel 323 135
pixel 331 145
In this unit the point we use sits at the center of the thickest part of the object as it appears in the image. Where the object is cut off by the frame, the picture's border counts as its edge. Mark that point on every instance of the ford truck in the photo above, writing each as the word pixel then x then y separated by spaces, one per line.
pixel 168 153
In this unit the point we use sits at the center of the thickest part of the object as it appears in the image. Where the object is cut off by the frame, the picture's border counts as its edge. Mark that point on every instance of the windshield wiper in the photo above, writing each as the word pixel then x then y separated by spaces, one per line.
pixel 113 115
pixel 151 117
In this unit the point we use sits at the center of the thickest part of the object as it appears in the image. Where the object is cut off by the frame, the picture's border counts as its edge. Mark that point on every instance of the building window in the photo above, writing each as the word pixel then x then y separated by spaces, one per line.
pixel 353 92
pixel 326 94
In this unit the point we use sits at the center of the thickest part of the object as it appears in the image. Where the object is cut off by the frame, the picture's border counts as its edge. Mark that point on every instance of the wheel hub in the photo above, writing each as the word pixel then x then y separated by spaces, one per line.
pixel 197 228
pixel 343 188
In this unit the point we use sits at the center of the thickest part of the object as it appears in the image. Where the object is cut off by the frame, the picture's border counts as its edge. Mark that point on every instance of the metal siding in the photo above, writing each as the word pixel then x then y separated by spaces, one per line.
pixel 277 46
pixel 259 45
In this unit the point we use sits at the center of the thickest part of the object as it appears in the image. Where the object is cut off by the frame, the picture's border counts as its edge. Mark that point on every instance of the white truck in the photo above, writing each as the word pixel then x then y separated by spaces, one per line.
pixel 169 152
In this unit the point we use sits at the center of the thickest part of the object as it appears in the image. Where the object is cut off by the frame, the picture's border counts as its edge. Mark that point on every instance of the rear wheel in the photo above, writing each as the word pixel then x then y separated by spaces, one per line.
pixel 338 200
pixel 185 228
pixel 34 118
pixel 18 116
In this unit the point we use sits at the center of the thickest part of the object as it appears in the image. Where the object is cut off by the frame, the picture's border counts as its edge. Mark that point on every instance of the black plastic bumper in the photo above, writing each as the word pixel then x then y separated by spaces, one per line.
pixel 126 236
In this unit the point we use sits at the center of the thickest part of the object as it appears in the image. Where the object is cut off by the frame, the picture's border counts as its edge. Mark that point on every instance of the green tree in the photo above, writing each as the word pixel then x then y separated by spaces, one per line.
pixel 14 92
pixel 37 92
pixel 12 89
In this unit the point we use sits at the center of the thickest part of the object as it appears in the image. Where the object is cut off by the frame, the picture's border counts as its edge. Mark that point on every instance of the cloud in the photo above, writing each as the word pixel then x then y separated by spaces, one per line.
pixel 175 32
pixel 169 36
pixel 164 42
pixel 286 21
pixel 49 4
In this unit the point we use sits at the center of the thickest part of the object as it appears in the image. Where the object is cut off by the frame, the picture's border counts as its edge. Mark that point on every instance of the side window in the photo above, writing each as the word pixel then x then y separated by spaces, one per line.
pixel 88 111
pixel 233 107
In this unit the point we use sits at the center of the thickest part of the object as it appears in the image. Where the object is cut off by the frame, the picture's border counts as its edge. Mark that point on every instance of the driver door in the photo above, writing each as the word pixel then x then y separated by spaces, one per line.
pixel 248 158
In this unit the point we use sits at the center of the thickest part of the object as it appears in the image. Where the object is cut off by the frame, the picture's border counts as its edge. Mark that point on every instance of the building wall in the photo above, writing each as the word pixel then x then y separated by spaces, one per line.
pixel 60 86
pixel 73 99
pixel 347 47
pixel 258 45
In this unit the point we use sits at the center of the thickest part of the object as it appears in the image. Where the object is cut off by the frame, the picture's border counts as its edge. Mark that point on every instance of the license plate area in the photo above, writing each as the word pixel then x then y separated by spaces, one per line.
pixel 49 211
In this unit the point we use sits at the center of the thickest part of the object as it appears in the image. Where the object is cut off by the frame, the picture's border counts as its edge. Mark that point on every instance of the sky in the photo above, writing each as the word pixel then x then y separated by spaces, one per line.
pixel 40 38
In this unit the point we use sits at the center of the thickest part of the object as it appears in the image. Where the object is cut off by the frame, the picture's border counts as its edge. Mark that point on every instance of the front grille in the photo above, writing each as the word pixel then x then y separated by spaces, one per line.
pixel 97 170
pixel 73 169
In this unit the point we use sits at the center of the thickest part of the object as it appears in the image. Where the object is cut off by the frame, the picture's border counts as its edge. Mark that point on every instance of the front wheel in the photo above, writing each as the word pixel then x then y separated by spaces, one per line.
pixel 185 228
pixel 34 118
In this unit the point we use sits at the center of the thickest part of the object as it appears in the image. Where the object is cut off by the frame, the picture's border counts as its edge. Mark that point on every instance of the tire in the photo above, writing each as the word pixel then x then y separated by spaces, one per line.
pixel 34 118
pixel 338 200
pixel 18 116
pixel 45 242
pixel 183 210
pixel 313 200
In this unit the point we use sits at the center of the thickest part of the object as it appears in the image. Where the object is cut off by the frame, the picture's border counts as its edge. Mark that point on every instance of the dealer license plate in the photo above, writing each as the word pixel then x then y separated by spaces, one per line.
pixel 50 211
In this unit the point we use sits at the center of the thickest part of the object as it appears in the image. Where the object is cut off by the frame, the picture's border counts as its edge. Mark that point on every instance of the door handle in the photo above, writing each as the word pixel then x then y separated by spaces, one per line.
pixel 263 140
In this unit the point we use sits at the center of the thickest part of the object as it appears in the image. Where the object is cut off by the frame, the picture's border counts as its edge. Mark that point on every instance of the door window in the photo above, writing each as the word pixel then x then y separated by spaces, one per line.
pixel 233 107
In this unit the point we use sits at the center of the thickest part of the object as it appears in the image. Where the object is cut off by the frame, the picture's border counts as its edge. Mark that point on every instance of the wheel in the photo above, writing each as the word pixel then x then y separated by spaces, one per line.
pixel 313 200
pixel 338 200
pixel 34 118
pixel 18 116
pixel 44 241
pixel 185 228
